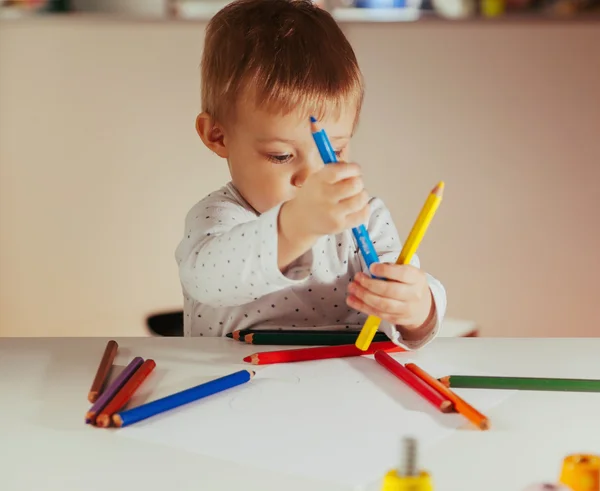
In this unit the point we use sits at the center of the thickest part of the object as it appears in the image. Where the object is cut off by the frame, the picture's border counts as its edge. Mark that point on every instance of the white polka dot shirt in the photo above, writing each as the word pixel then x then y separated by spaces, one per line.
pixel 230 278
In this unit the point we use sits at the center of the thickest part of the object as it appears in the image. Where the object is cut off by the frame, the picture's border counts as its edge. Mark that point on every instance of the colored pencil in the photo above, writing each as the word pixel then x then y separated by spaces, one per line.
pixel 240 334
pixel 112 389
pixel 187 396
pixel 521 383
pixel 318 353
pixel 461 406
pixel 406 254
pixel 125 394
pixel 110 352
pixel 329 157
pixel 305 338
pixel 431 395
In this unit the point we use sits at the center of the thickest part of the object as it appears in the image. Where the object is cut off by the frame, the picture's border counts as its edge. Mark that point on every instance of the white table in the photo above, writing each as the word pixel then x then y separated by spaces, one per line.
pixel 45 445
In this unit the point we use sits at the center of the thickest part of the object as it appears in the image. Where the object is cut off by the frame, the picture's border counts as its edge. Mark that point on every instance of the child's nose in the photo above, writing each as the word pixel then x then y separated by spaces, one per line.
pixel 311 165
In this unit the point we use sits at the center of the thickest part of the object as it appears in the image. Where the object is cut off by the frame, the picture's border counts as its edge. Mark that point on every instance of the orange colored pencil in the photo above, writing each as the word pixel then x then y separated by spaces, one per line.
pixel 461 406
pixel 318 353
pixel 110 352
pixel 431 395
pixel 124 395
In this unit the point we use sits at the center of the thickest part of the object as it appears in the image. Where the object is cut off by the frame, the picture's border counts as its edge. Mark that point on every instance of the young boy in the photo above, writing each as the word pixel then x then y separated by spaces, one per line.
pixel 273 248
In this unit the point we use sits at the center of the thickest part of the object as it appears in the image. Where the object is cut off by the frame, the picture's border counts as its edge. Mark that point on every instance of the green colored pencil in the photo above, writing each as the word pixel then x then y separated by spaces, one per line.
pixel 521 383
pixel 239 334
pixel 306 338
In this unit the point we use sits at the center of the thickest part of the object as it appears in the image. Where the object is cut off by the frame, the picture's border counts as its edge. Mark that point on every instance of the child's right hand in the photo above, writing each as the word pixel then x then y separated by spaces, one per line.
pixel 329 202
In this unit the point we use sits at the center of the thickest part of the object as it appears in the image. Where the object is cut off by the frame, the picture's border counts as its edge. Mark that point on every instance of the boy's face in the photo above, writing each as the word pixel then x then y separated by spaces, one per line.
pixel 270 156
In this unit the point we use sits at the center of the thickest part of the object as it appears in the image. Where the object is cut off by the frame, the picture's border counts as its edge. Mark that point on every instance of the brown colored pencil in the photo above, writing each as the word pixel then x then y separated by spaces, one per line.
pixel 110 352
pixel 460 405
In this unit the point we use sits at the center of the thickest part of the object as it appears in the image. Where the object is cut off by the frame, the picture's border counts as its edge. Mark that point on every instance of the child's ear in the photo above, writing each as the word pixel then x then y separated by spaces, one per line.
pixel 211 134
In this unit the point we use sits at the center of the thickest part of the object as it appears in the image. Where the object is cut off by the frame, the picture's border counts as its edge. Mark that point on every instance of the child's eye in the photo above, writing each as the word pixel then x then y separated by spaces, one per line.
pixel 280 159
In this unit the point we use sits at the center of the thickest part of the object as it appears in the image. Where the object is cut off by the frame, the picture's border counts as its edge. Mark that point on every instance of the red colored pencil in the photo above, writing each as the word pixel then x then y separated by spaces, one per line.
pixel 318 353
pixel 124 395
pixel 414 382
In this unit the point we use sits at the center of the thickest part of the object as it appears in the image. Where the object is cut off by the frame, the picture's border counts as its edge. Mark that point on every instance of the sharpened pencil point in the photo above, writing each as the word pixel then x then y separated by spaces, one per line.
pixel 248 359
pixel 313 119
pixel 439 189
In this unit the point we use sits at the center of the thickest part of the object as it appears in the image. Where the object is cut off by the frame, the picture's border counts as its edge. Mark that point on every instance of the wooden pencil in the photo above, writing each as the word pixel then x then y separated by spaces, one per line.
pixel 461 406
pixel 306 338
pixel 521 383
pixel 112 389
pixel 428 393
pixel 240 334
pixel 318 353
pixel 110 352
pixel 125 394
pixel 178 399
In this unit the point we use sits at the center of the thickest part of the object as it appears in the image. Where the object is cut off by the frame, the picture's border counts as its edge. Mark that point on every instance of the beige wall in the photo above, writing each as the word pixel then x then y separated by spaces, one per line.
pixel 99 164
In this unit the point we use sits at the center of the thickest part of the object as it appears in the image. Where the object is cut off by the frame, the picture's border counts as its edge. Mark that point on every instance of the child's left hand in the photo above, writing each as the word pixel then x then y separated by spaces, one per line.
pixel 404 300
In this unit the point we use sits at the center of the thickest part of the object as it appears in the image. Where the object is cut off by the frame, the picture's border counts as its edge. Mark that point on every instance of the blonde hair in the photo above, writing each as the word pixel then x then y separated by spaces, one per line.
pixel 285 54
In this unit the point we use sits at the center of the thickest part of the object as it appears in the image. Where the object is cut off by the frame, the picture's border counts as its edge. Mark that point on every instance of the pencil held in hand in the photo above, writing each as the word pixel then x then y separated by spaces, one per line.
pixel 106 362
pixel 408 251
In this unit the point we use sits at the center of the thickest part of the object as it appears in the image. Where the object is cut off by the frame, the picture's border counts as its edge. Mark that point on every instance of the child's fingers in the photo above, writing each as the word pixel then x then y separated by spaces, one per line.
pixel 389 289
pixel 404 273
pixel 355 203
pixel 376 302
pixel 357 304
pixel 333 173
pixel 347 188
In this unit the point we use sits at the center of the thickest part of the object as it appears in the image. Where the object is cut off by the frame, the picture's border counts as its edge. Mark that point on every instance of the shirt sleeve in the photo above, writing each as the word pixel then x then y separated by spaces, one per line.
pixel 228 255
pixel 387 243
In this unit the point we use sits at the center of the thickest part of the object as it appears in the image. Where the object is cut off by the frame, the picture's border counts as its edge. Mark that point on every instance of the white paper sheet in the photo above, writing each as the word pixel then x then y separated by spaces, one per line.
pixel 335 420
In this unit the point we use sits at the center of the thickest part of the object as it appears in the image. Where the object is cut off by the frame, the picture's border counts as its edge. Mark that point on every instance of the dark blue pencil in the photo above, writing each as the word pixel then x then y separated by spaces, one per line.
pixel 180 398
pixel 328 156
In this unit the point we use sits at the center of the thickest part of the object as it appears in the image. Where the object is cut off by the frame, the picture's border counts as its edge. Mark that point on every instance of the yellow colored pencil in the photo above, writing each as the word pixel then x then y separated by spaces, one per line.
pixel 411 245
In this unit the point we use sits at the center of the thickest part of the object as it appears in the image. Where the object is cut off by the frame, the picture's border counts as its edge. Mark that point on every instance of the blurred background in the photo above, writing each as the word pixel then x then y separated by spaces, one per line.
pixel 99 160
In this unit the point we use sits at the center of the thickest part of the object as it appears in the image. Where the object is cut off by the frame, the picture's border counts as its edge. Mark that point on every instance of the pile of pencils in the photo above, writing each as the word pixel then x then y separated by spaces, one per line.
pixel 108 402
pixel 108 399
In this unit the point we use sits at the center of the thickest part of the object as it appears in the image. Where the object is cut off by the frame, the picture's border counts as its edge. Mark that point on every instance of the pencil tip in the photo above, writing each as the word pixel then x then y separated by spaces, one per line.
pixel 439 189
pixel 248 359
pixel 229 335
pixel 313 119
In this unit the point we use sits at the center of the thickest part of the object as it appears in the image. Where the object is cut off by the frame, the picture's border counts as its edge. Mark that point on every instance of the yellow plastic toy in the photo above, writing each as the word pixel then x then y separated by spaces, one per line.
pixel 581 472
pixel 408 477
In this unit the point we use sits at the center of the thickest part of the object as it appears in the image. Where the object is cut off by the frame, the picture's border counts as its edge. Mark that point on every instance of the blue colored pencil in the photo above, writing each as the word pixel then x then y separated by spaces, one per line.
pixel 186 396
pixel 360 233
